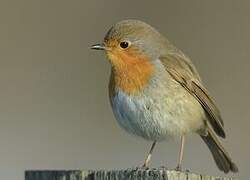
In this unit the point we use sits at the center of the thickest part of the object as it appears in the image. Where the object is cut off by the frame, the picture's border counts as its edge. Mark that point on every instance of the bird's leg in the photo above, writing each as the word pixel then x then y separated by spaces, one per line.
pixel 178 168
pixel 147 160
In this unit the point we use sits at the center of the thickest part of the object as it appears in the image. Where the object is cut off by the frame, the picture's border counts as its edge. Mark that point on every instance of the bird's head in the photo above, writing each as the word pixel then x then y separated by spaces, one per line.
pixel 132 40
pixel 131 46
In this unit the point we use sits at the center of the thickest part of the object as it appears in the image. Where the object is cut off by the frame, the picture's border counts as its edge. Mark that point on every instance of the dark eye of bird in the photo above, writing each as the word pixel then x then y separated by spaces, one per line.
pixel 124 44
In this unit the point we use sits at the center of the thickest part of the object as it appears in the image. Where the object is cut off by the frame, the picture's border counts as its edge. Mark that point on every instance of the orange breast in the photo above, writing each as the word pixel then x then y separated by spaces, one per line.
pixel 130 71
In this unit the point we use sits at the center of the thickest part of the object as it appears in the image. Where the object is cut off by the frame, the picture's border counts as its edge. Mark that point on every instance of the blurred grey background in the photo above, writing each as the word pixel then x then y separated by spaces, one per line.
pixel 54 108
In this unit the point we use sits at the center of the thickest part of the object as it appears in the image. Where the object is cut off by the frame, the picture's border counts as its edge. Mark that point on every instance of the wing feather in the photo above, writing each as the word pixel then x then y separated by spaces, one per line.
pixel 184 72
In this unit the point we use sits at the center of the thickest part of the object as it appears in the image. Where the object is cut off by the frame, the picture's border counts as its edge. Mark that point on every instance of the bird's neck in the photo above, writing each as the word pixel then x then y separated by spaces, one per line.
pixel 131 78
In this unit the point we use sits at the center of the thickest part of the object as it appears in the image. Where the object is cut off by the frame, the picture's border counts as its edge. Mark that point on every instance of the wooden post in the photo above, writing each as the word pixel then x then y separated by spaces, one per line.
pixel 129 174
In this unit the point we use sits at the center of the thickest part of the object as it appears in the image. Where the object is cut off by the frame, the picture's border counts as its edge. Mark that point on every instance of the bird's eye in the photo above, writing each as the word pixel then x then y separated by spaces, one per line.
pixel 124 44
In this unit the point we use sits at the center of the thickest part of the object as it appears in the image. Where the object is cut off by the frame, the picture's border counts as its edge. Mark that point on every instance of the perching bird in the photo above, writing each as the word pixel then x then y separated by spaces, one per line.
pixel 156 92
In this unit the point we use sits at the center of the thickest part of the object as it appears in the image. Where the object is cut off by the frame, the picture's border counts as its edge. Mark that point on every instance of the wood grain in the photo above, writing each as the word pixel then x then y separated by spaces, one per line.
pixel 129 174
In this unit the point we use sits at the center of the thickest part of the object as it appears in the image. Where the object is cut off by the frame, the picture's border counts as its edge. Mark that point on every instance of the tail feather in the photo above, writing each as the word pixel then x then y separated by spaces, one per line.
pixel 220 155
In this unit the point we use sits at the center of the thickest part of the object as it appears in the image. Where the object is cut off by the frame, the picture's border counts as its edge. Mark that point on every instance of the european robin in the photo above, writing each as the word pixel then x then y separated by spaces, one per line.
pixel 156 92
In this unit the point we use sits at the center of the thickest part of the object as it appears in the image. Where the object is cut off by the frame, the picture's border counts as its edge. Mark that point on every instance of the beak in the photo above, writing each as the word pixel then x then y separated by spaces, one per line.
pixel 98 47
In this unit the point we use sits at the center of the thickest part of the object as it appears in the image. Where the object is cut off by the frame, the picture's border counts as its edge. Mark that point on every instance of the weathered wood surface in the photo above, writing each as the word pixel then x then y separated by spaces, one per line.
pixel 129 174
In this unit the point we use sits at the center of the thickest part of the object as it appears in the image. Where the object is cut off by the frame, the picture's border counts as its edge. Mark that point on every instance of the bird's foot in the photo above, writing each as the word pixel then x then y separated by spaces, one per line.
pixel 178 168
pixel 142 167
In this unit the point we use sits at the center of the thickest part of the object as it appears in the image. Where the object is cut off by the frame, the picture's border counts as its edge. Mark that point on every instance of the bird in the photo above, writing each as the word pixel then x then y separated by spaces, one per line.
pixel 156 92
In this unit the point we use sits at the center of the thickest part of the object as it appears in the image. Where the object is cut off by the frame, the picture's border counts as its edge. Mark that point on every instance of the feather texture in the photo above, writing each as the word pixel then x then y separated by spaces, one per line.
pixel 182 70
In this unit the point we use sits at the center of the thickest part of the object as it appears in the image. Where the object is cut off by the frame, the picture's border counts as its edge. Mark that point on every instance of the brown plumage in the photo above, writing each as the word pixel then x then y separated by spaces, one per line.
pixel 220 155
pixel 184 72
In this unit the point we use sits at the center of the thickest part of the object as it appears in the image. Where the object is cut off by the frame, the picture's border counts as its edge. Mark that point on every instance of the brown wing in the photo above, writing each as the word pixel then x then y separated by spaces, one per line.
pixel 184 72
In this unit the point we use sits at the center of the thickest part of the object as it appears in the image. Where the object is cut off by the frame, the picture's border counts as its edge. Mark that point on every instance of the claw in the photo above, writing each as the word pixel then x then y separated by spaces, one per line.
pixel 144 166
pixel 140 168
pixel 178 168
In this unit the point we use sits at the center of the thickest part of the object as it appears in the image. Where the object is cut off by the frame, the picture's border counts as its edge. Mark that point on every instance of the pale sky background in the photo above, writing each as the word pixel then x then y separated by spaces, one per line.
pixel 54 108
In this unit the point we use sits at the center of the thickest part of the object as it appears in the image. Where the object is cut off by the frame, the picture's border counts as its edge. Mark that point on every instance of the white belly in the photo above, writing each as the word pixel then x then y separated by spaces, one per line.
pixel 163 110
